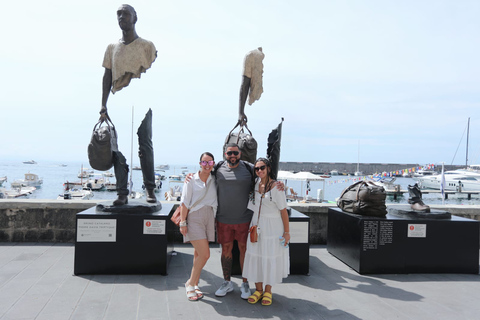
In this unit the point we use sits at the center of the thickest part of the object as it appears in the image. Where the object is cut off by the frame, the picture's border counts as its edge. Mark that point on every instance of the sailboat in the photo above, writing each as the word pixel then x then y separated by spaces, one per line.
pixel 358 172
pixel 133 194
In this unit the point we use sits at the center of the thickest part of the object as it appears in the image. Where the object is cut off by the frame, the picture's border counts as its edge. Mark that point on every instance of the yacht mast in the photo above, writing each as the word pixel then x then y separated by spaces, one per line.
pixel 468 133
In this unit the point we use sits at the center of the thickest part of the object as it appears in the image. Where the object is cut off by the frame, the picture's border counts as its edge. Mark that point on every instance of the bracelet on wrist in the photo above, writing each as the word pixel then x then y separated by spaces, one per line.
pixel 183 224
pixel 286 233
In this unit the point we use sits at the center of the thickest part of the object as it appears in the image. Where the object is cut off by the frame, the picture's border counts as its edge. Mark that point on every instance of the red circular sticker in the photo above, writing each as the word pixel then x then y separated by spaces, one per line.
pixel 412 227
pixel 148 223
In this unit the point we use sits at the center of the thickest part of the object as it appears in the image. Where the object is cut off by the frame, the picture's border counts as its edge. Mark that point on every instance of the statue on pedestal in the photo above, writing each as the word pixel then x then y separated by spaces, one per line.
pixel 124 60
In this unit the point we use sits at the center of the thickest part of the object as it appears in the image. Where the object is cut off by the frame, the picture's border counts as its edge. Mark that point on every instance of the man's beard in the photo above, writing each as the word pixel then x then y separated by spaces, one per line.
pixel 233 163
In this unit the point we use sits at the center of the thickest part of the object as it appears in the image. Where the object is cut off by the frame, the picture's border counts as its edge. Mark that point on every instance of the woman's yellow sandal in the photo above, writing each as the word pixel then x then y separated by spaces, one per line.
pixel 267 299
pixel 255 297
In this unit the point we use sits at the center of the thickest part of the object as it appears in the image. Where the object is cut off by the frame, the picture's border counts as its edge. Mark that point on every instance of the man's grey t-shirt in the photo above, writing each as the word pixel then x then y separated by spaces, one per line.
pixel 233 187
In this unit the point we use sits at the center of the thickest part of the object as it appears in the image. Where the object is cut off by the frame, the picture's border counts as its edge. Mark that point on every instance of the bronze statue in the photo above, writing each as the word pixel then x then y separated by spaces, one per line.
pixel 415 199
pixel 124 60
pixel 252 84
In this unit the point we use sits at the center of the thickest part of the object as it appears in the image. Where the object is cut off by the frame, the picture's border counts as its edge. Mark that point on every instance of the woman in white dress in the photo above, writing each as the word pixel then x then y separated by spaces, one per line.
pixel 197 223
pixel 267 261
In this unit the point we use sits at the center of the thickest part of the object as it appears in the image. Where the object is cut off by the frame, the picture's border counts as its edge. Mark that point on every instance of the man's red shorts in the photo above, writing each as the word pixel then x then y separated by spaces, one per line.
pixel 228 232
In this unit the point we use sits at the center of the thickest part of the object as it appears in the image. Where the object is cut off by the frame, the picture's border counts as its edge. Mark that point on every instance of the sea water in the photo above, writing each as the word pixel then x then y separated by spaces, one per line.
pixel 54 176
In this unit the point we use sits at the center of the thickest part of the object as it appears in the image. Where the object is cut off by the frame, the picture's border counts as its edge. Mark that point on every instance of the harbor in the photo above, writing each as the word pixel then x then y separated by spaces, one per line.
pixel 55 176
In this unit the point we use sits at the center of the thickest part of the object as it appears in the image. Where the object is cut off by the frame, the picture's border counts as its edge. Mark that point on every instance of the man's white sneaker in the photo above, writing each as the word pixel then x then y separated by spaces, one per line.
pixel 226 287
pixel 245 289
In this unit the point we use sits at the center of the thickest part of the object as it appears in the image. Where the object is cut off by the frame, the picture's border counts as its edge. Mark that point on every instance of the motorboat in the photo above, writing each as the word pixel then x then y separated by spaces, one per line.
pixel 163 167
pixel 174 193
pixel 85 173
pixel 334 173
pixel 31 180
pixel 423 173
pixel 455 180
pixel 175 178
pixel 75 194
pixel 30 162
pixel 16 192
pixel 95 183
pixel 175 188
pixel 108 174
pixel 388 184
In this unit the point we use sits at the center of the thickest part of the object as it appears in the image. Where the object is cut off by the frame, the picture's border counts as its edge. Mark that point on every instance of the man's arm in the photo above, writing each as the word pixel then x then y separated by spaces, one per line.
pixel 106 87
pixel 244 89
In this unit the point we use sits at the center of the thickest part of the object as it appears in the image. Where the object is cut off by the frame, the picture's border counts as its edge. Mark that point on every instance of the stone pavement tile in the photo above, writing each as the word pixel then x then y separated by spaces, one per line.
pixel 153 302
pixel 95 299
pixel 65 300
pixel 124 299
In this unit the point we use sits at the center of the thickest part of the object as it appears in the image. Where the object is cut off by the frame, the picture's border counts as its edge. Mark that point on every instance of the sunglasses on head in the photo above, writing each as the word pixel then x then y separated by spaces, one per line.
pixel 260 168
pixel 204 163
pixel 235 153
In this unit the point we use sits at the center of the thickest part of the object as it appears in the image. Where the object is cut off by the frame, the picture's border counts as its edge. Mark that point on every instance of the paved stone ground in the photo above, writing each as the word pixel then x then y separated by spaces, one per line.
pixel 37 282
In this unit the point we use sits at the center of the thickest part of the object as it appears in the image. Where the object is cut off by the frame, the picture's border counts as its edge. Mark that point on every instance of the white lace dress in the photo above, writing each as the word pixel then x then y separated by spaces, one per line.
pixel 267 260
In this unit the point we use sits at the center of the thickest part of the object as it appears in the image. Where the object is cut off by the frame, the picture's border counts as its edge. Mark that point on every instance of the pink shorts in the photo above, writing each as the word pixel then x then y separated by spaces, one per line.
pixel 228 232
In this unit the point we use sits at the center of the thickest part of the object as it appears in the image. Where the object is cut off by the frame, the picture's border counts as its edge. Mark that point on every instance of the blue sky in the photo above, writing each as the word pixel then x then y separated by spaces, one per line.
pixel 397 78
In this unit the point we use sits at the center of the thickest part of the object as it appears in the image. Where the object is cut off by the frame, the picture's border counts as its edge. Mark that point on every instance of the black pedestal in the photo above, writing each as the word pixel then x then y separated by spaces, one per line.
pixel 401 245
pixel 123 243
pixel 299 245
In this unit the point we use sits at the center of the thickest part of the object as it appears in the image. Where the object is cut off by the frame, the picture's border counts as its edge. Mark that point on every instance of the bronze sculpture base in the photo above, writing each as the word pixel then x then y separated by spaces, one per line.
pixel 407 212
pixel 133 207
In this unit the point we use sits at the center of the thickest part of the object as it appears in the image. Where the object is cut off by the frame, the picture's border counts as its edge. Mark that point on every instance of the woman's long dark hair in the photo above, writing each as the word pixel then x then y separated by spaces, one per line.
pixel 270 173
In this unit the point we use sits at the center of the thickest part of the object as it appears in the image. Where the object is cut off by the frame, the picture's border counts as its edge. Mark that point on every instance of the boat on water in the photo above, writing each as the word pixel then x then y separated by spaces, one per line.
pixel 455 180
pixel 423 173
pixel 163 167
pixel 96 183
pixel 85 173
pixel 16 192
pixel 334 173
pixel 388 184
pixel 30 162
pixel 31 180
pixel 175 188
pixel 2 180
pixel 75 194
pixel 108 174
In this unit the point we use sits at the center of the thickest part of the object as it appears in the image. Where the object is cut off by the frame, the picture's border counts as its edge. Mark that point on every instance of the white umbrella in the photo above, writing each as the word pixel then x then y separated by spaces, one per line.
pixel 284 175
pixel 307 176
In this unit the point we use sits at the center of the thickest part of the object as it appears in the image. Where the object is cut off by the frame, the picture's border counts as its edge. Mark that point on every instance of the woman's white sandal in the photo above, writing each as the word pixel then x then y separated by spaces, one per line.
pixel 191 294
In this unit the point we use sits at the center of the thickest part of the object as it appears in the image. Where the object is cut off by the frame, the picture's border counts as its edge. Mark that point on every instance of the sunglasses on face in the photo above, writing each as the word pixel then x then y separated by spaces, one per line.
pixel 204 163
pixel 260 168
pixel 235 153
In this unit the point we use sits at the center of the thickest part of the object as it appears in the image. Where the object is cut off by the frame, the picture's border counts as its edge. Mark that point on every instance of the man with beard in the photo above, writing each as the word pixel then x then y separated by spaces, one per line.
pixel 234 178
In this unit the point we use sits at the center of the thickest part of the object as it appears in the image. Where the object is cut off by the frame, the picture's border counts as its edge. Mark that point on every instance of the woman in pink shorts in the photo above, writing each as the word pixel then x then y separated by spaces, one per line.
pixel 197 224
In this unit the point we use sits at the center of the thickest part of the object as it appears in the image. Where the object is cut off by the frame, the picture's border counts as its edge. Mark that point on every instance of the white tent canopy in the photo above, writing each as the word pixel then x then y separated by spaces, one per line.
pixel 306 176
pixel 302 176
pixel 284 175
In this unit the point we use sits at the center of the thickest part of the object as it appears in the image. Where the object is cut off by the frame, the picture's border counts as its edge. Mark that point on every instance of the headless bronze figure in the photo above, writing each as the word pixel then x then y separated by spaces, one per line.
pixel 123 61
